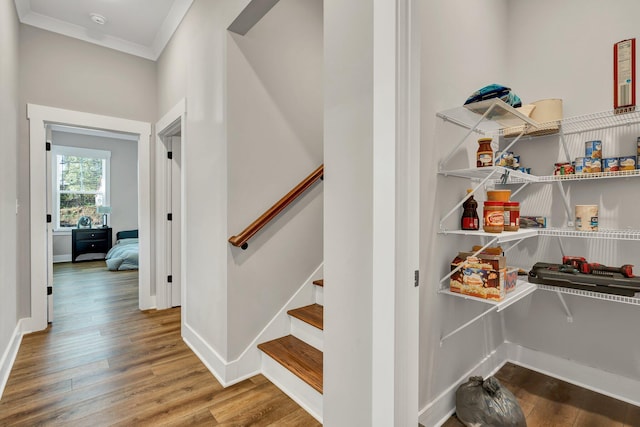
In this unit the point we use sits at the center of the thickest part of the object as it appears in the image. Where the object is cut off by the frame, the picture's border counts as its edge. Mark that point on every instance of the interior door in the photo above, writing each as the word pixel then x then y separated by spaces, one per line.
pixel 50 207
pixel 175 199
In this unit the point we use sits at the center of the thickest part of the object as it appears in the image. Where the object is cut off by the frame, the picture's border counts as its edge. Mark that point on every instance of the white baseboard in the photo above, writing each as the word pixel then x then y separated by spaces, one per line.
pixel 9 355
pixel 443 406
pixel 61 258
pixel 249 362
pixel 609 384
pixel 625 389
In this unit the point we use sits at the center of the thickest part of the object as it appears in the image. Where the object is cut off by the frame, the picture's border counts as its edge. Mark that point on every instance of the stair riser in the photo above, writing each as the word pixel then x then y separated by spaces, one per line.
pixel 302 393
pixel 319 295
pixel 307 333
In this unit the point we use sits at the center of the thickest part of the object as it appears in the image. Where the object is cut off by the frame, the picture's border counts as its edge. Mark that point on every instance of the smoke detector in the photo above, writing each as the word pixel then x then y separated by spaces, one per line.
pixel 98 19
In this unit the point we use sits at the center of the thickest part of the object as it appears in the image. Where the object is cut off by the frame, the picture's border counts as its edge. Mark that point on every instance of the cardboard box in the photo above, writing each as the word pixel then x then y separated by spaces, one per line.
pixel 510 279
pixel 480 276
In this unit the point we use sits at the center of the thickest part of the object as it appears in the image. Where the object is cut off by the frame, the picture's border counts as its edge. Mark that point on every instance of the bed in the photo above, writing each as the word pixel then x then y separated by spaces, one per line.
pixel 124 254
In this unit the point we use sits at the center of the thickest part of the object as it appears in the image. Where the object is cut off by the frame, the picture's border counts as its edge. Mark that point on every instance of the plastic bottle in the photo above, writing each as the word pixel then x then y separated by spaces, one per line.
pixel 470 220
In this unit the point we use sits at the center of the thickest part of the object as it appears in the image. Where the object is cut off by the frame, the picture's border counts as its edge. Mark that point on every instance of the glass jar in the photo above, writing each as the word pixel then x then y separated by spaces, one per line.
pixel 484 155
pixel 511 216
pixel 493 217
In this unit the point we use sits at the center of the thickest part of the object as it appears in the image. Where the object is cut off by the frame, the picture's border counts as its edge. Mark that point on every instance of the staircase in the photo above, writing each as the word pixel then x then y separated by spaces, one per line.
pixel 294 362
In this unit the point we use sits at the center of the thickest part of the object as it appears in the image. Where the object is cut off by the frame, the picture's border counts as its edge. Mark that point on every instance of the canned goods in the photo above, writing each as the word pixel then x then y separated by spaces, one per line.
pixel 593 149
pixel 627 163
pixel 611 164
pixel 596 166
pixel 579 165
pixel 563 168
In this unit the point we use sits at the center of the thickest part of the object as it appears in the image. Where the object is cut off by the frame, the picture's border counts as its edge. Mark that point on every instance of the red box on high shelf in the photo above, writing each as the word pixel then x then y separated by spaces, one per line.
pixel 624 75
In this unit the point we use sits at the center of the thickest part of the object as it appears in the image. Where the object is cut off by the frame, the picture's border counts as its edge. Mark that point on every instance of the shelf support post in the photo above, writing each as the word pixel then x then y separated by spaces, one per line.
pixel 519 189
pixel 566 204
pixel 471 130
pixel 459 328
pixel 566 307
pixel 459 204
pixel 564 145
pixel 517 138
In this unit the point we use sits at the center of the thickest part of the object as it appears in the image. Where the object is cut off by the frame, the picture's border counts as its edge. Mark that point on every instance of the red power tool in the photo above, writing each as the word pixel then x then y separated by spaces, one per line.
pixel 585 267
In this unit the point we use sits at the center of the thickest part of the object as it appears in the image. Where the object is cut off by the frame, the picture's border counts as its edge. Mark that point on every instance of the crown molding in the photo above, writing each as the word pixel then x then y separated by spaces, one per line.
pixel 152 52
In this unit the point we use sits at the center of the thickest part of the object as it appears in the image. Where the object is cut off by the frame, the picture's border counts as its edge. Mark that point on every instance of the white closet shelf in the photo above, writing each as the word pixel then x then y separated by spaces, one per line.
pixel 505 236
pixel 522 289
pixel 496 115
pixel 504 116
pixel 517 177
pixel 507 175
pixel 591 294
pixel 601 234
pixel 525 233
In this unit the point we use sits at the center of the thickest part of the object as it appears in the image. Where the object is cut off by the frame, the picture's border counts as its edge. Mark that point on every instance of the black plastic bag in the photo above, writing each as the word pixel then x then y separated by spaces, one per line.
pixel 487 404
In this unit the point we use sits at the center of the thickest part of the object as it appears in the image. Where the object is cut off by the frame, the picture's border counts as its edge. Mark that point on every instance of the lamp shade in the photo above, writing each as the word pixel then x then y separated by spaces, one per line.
pixel 103 209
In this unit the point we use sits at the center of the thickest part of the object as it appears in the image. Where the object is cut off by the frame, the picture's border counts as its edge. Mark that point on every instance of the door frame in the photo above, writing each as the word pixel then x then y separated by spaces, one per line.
pixel 174 119
pixel 39 116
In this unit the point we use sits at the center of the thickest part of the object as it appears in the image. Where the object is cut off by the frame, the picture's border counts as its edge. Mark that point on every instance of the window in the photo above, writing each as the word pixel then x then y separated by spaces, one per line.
pixel 80 184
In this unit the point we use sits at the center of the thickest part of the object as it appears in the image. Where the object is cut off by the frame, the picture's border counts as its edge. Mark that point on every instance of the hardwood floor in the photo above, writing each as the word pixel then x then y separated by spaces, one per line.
pixel 549 402
pixel 104 362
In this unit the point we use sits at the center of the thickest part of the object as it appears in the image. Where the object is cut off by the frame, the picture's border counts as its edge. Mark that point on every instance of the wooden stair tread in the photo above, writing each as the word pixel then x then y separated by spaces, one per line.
pixel 311 314
pixel 319 282
pixel 297 356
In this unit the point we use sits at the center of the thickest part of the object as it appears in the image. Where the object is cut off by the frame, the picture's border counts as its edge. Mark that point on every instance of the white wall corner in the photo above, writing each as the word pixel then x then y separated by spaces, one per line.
pixel 9 355
pixel 443 406
pixel 609 384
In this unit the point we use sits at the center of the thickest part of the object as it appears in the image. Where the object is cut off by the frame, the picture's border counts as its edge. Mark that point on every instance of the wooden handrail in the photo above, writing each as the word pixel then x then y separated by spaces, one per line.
pixel 242 238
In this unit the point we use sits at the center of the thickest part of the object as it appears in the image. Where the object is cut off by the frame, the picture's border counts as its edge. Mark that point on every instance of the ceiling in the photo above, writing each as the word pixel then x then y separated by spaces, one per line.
pixel 138 27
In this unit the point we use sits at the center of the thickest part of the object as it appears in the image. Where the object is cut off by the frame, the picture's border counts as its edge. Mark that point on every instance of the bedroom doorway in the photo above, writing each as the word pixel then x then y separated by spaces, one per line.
pixel 170 208
pixel 41 229
pixel 92 196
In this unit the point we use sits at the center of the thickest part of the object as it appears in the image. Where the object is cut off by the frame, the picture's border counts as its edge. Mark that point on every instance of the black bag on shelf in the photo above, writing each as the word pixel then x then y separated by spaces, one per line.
pixel 487 404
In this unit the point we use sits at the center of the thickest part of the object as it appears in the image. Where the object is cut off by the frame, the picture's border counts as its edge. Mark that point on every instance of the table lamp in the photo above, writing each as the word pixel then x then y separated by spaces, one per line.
pixel 104 210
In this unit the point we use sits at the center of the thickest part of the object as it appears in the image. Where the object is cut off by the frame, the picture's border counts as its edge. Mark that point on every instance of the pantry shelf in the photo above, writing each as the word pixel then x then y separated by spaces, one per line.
pixel 587 176
pixel 522 290
pixel 506 176
pixel 590 294
pixel 486 117
pixel 505 236
pixel 602 234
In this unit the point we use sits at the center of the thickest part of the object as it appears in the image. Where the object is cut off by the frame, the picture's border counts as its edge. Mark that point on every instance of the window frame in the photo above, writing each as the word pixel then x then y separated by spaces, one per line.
pixel 90 153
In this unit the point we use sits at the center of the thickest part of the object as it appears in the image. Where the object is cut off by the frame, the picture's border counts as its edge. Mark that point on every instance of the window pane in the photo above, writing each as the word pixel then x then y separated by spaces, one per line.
pixel 73 206
pixel 80 173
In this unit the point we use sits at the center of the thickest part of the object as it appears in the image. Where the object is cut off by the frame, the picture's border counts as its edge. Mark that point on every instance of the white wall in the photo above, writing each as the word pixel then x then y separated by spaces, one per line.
pixel 124 178
pixel 193 66
pixel 463 49
pixel 59 71
pixel 571 57
pixel 274 128
pixel 9 113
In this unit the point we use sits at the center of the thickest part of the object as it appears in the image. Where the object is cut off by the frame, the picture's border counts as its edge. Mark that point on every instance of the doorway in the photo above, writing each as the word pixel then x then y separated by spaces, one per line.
pixel 170 237
pixel 41 230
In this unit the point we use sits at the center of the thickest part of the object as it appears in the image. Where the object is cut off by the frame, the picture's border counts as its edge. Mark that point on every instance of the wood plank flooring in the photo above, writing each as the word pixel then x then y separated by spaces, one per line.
pixel 103 362
pixel 549 402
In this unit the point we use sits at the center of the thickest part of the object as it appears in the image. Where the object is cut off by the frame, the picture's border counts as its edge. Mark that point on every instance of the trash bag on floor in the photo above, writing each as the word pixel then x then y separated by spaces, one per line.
pixel 486 403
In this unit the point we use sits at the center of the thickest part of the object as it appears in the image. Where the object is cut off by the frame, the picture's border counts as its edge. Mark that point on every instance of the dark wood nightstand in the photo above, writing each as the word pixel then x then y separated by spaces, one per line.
pixel 90 241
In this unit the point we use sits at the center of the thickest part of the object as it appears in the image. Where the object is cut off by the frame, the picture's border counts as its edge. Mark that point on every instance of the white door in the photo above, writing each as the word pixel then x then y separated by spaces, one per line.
pixel 50 207
pixel 175 198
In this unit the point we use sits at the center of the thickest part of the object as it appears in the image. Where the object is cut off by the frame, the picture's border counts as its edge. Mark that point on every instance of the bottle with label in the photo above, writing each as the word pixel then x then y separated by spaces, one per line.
pixel 470 220
pixel 484 156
